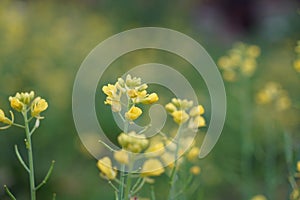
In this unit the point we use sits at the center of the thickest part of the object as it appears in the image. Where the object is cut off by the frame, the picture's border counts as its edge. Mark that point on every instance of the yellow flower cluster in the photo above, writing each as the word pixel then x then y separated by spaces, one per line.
pixel 178 110
pixel 241 59
pixel 4 119
pixel 106 169
pixel 297 61
pixel 21 101
pixel 272 93
pixel 134 90
pixel 133 142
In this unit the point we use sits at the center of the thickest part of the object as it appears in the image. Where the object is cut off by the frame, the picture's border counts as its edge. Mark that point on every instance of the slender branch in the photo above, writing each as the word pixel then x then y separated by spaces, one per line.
pixel 21 159
pixel 139 187
pixel 137 183
pixel 9 193
pixel 107 146
pixel 47 176
pixel 122 181
pixel 113 186
pixel 18 125
pixel 152 193
pixel 54 196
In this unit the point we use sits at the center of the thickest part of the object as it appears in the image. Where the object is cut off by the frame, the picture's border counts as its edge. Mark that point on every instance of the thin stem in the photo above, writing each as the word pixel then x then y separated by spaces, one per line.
pixel 140 186
pixel 21 159
pixel 113 186
pixel 18 125
pixel 136 183
pixel 129 178
pixel 54 196
pixel 9 193
pixel 46 177
pixel 30 157
pixel 173 173
pixel 152 193
pixel 122 181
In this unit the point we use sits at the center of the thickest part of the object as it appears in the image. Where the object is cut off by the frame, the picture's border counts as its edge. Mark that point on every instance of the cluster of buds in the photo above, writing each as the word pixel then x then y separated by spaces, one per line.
pixel 136 93
pixel 297 60
pixel 22 101
pixel 178 109
pixel 106 169
pixel 133 142
pixel 272 93
pixel 240 59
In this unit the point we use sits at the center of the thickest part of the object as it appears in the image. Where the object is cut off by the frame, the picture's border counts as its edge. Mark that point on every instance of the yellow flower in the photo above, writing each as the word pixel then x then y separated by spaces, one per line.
pixel 253 51
pixel 156 149
pixel 132 93
pixel 229 75
pixel 4 119
pixel 283 103
pixel 133 113
pixel 105 166
pixel 263 98
pixel 152 98
pixel 297 65
pixel 109 90
pixel 198 110
pixel 298 166
pixel 180 116
pixel 133 142
pixel 193 154
pixel 16 104
pixel 295 194
pixel 170 107
pixel 259 197
pixel 152 167
pixel 38 105
pixel 248 67
pixel 121 156
pixel 195 170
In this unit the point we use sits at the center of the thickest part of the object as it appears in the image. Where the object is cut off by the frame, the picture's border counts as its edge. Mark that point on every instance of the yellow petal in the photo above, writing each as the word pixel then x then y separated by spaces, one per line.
pixel 152 167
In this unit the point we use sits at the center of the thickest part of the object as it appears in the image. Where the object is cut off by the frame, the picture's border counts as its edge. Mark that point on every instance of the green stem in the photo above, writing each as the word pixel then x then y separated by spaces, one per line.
pixel 30 157
pixel 9 193
pixel 21 159
pixel 173 173
pixel 46 177
pixel 129 178
pixel 152 193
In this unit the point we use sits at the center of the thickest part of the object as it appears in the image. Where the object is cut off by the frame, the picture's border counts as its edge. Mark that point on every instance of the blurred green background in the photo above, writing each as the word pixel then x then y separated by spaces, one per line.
pixel 44 42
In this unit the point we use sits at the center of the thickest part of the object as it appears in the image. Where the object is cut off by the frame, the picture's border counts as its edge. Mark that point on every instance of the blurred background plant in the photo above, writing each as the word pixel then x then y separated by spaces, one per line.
pixel 43 44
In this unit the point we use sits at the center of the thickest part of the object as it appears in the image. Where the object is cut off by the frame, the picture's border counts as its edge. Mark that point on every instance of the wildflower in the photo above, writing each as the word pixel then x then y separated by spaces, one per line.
pixel 182 104
pixel 259 197
pixel 133 142
pixel 180 116
pixel 113 97
pixel 170 107
pixel 198 110
pixel 16 104
pixel 152 167
pixel 133 113
pixel 132 82
pixel 195 170
pixel 295 195
pixel 193 154
pixel 253 51
pixel 298 166
pixel 110 90
pixel 121 156
pixel 156 149
pixel 297 64
pixel 105 166
pixel 197 122
pixel 38 105
pixel 152 98
pixel 4 119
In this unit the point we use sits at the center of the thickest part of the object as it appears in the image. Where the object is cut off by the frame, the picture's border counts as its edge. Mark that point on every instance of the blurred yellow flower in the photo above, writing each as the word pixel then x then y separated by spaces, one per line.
pixel 4 119
pixel 132 93
pixel 195 170
pixel 105 167
pixel 298 166
pixel 170 107
pixel 230 75
pixel 16 104
pixel 297 65
pixel 110 90
pixel 121 156
pixel 198 110
pixel 295 195
pixel 253 51
pixel 152 167
pixel 133 113
pixel 193 154
pixel 156 149
pixel 180 116
pixel 38 105
pixel 152 98
pixel 133 142
pixel 259 197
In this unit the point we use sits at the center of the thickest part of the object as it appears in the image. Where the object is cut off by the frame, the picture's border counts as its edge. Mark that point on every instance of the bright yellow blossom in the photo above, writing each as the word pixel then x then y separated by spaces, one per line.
pixel 297 65
pixel 109 90
pixel 197 110
pixel 298 166
pixel 4 119
pixel 133 142
pixel 16 104
pixel 105 166
pixel 170 107
pixel 38 105
pixel 180 116
pixel 152 98
pixel 152 167
pixel 133 113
